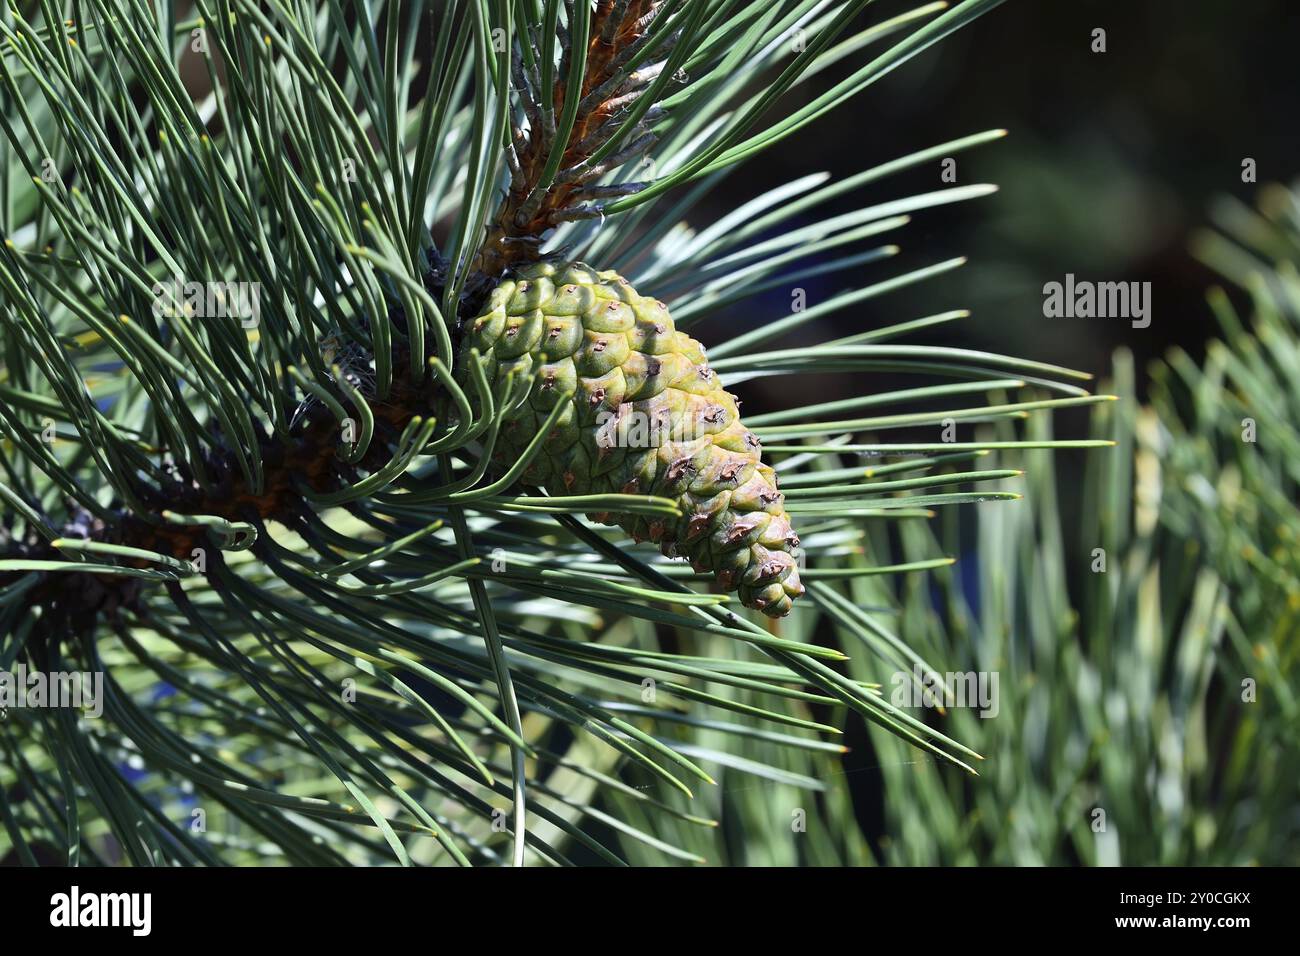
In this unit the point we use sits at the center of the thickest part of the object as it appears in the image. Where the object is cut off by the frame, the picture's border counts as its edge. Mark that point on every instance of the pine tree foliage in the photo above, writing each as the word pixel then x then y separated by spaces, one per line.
pixel 1150 721
pixel 247 465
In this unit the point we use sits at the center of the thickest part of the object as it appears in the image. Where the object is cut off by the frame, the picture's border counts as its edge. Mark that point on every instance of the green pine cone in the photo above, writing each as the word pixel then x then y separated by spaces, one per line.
pixel 644 414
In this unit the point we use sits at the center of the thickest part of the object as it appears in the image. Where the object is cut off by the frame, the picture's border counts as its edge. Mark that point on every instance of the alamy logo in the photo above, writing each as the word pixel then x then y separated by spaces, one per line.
pixel 1101 300
pixel 208 300
pixel 973 689
pixel 133 910
pixel 72 690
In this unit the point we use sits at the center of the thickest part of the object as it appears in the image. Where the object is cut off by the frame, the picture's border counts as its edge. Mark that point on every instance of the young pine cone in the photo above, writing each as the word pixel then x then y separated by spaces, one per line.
pixel 644 414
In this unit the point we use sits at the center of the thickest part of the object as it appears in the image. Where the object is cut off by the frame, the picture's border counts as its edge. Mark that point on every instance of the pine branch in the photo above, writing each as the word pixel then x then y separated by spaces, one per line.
pixel 309 460
pixel 593 99
pixel 620 35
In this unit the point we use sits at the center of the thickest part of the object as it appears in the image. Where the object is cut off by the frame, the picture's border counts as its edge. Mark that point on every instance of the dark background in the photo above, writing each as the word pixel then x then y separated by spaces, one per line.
pixel 1111 162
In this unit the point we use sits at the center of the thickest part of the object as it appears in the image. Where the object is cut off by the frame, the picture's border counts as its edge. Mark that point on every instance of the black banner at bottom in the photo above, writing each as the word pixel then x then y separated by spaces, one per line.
pixel 297 906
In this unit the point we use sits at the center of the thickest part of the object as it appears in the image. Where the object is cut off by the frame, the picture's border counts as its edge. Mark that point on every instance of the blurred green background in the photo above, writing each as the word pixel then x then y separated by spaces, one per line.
pixel 1120 691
